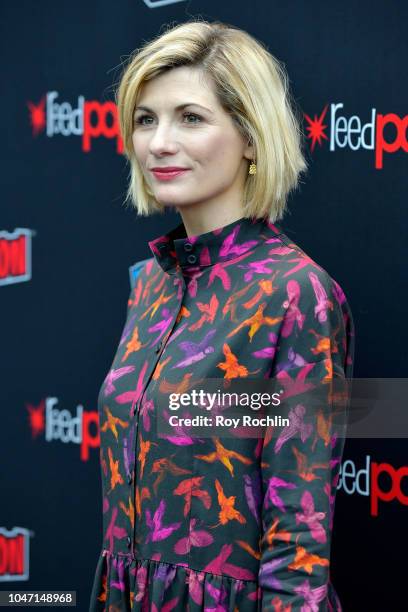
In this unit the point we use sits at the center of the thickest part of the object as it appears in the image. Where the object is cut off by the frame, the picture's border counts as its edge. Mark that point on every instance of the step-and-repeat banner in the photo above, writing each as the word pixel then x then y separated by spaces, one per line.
pixel 67 242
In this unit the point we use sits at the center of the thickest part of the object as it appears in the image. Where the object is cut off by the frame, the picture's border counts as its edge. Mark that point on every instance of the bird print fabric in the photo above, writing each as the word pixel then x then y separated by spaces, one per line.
pixel 217 523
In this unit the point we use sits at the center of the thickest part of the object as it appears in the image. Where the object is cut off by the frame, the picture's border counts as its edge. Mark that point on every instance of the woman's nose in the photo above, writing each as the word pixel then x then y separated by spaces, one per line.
pixel 163 140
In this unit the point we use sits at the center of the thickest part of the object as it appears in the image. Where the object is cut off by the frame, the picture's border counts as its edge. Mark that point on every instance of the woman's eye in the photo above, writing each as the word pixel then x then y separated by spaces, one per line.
pixel 192 115
pixel 140 120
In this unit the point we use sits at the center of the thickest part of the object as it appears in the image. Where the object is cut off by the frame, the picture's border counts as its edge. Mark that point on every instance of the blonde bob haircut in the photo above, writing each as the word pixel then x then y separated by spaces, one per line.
pixel 251 85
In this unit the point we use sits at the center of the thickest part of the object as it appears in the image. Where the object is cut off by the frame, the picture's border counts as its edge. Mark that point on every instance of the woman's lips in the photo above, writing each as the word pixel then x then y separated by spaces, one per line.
pixel 167 176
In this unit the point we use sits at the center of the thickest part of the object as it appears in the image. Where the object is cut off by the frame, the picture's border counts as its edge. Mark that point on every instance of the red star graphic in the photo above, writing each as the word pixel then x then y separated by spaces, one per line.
pixel 37 115
pixel 316 128
pixel 36 416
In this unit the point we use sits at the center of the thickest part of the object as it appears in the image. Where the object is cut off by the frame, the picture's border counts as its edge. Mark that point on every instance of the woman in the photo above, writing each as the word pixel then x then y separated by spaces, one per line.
pixel 217 522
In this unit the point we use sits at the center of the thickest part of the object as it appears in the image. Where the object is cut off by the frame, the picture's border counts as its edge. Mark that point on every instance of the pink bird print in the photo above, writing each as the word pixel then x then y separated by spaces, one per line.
pixel 196 537
pixel 162 325
pixel 338 293
pixel 293 314
pixel 157 530
pixel 218 270
pixel 323 303
pixel 113 375
pixel 195 351
pixel 146 407
pixel 269 351
pixel 294 387
pixel 133 396
pixel 119 565
pixel 195 586
pixel 230 247
pixel 257 267
pixel 311 518
pixel 272 495
pixel 296 425
pixel 219 595
pixel 311 596
pixel 220 566
pixel 113 531
pixel 141 581
pixel 302 261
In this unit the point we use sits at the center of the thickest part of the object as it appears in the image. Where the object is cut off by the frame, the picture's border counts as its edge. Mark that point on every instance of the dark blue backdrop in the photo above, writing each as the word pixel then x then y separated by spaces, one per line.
pixel 64 280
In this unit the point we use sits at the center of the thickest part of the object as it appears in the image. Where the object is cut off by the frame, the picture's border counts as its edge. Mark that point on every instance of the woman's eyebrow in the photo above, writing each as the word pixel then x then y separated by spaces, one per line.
pixel 179 107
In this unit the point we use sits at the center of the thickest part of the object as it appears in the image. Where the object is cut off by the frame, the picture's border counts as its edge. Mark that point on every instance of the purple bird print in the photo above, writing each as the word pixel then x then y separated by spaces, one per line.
pixel 323 303
pixel 296 425
pixel 271 494
pixel 127 449
pixel 157 530
pixel 253 494
pixel 196 537
pixel 266 577
pixel 113 375
pixel 195 351
pixel 311 596
pixel 128 328
pixel 311 518
pixel 162 325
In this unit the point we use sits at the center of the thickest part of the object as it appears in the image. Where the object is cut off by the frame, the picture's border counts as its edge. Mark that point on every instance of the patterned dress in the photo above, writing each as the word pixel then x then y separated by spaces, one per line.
pixel 215 523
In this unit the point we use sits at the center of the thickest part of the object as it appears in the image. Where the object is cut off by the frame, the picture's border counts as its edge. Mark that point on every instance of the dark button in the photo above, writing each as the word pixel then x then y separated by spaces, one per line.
pixel 191 259
pixel 188 246
pixel 129 477
pixel 128 541
pixel 158 347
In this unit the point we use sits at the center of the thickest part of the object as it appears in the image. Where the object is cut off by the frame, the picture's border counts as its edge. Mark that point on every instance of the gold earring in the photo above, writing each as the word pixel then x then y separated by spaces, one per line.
pixel 252 168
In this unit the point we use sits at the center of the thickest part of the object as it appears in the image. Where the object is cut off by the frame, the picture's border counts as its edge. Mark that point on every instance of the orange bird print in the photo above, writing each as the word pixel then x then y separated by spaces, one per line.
pixel 255 322
pixel 304 469
pixel 230 366
pixel 224 455
pixel 164 465
pixel 227 512
pixel 116 477
pixel 134 344
pixel 306 560
pixel 111 423
pixel 273 534
pixel 190 487
pixel 209 311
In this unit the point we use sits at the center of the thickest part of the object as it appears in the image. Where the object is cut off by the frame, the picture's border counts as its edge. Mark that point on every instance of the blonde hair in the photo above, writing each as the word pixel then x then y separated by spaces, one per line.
pixel 250 84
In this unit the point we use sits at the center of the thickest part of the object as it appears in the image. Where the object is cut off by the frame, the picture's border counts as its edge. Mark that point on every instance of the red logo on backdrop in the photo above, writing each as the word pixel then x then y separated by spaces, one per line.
pixel 366 481
pixel 15 256
pixel 352 133
pixel 89 119
pixel 61 425
pixel 14 554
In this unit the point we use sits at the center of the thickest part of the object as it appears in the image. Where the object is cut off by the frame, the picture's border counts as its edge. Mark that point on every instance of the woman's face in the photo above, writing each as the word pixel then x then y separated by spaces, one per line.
pixel 178 122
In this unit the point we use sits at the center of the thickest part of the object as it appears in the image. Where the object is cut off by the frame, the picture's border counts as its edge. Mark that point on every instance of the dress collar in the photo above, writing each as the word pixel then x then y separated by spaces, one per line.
pixel 175 250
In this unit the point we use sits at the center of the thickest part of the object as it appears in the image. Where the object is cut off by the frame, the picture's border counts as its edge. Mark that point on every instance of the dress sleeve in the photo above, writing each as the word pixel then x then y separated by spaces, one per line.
pixel 300 462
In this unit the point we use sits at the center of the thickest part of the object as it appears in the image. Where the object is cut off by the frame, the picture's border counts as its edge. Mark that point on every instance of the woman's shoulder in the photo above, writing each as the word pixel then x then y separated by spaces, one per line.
pixel 138 269
pixel 300 270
